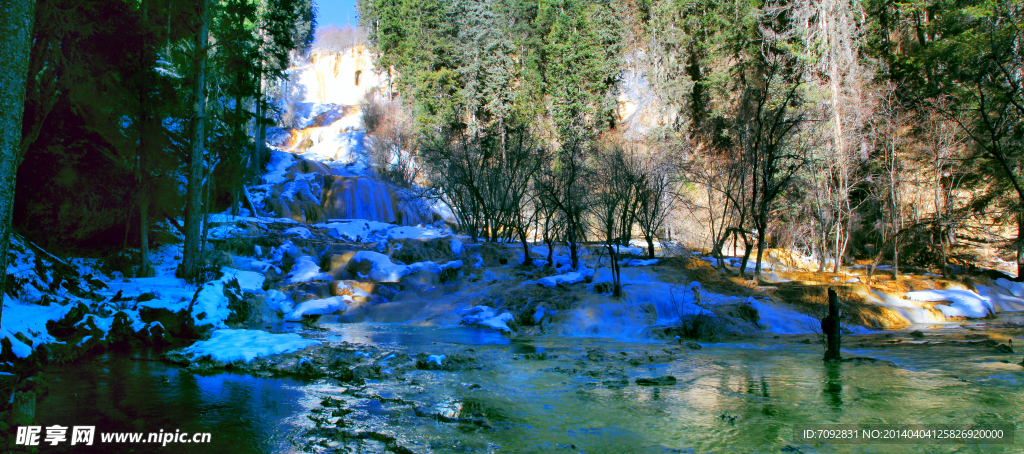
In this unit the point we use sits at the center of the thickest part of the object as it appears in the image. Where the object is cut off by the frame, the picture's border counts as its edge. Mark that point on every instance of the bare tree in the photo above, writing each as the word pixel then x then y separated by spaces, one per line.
pixel 562 188
pixel 833 31
pixel 655 197
pixel 611 188
pixel 392 139
pixel 888 184
pixel 767 119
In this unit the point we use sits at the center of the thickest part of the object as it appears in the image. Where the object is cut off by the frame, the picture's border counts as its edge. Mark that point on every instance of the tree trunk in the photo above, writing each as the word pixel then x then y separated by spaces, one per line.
pixel 830 328
pixel 15 43
pixel 616 279
pixel 527 260
pixel 650 247
pixel 747 249
pixel 261 126
pixel 760 250
pixel 147 267
pixel 1020 246
pixel 193 209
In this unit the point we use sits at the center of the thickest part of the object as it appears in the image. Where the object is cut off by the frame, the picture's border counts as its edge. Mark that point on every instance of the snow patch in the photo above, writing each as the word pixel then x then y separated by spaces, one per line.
pixel 229 345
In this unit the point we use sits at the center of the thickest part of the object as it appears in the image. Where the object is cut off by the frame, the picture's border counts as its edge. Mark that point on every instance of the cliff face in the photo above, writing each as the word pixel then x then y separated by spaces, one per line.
pixel 342 79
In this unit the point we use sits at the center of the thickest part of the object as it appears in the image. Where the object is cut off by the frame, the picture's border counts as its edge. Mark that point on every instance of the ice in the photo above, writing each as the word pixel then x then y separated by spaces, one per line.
pixel 229 345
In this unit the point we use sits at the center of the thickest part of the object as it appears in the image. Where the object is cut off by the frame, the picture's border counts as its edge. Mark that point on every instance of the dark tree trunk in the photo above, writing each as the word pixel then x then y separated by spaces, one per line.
pixel 193 204
pixel 616 280
pixel 15 43
pixel 527 260
pixel 830 328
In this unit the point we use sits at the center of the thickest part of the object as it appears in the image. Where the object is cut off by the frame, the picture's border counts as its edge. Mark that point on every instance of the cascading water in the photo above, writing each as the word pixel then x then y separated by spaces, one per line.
pixel 366 198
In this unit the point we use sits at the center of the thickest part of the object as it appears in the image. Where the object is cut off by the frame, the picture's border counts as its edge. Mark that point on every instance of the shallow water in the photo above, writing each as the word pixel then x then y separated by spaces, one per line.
pixel 729 397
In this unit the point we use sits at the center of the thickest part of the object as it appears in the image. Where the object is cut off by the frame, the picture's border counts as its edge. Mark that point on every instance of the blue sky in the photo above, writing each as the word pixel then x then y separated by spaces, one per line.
pixel 336 12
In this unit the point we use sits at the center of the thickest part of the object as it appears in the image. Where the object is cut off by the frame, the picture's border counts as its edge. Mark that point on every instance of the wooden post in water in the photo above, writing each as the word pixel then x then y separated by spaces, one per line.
pixel 830 327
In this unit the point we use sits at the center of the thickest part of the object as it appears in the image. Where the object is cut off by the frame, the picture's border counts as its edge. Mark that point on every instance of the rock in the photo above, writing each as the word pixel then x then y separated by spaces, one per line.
pixel 339 260
pixel 917 334
pixel 604 287
pixel 345 287
pixel 419 279
pixel 359 267
pixel 66 325
pixel 656 381
pixel 174 323
pixel 693 346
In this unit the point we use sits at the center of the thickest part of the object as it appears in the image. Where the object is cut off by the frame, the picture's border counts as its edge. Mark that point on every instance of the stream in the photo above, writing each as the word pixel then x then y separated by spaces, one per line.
pixel 550 394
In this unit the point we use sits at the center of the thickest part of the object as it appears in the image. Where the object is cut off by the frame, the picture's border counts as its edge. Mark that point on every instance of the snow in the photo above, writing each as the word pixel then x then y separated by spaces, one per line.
pixel 638 262
pixel 229 345
pixel 29 320
pixel 908 310
pixel 963 303
pixel 486 316
pixel 567 279
pixel 436 359
pixel 626 276
pixel 629 250
pixel 539 314
pixel 305 270
pixel 221 232
pixel 278 301
pixel 1015 288
pixel 735 263
pixel 300 232
pixel 384 270
pixel 456 245
pixel 278 167
pixel 778 319
pixel 319 307
pixel 250 281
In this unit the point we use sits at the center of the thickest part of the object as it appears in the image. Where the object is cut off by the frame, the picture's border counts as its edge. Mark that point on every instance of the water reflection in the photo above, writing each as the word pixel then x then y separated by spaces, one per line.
pixel 120 393
pixel 833 389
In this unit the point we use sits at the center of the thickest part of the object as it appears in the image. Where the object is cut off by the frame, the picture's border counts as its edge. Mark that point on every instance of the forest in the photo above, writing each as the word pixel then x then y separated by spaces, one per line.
pixel 845 130
pixel 113 137
pixel 510 225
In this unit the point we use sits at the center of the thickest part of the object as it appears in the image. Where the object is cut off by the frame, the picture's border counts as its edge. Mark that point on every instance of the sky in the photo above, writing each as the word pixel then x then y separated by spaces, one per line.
pixel 336 12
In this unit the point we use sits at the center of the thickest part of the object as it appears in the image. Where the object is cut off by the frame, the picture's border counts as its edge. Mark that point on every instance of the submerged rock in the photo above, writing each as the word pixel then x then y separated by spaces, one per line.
pixel 656 381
